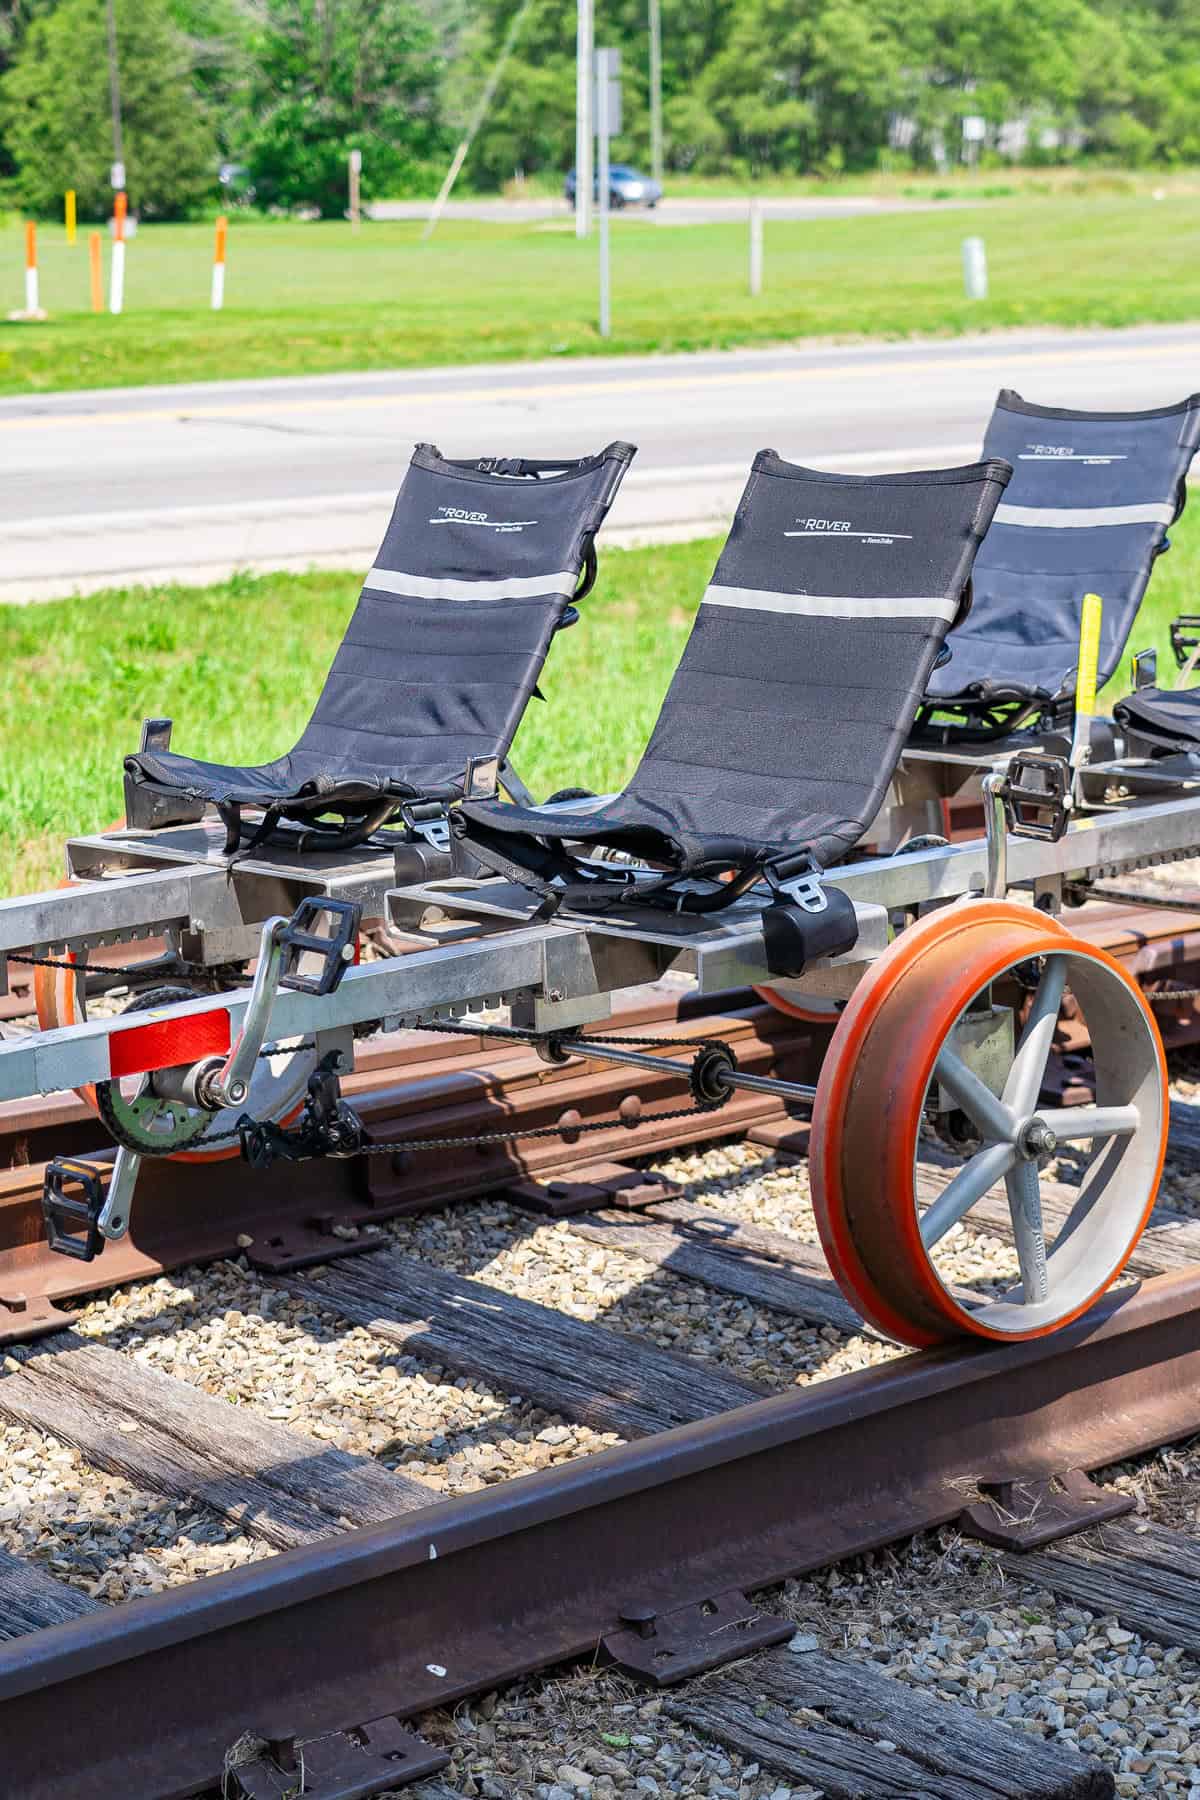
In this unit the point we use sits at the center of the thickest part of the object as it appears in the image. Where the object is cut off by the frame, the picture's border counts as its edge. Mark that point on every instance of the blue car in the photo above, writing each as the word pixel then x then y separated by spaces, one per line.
pixel 625 188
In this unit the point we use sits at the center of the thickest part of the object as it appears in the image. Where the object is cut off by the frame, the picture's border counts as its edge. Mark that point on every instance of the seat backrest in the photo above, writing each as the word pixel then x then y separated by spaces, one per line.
pixel 443 651
pixel 1087 511
pixel 811 650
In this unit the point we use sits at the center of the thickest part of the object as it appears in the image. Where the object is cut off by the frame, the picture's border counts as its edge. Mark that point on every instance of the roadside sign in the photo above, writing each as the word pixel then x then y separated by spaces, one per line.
pixel 608 105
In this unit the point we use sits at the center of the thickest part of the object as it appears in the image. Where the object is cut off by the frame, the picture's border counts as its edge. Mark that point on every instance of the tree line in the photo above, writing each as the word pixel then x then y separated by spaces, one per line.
pixel 284 89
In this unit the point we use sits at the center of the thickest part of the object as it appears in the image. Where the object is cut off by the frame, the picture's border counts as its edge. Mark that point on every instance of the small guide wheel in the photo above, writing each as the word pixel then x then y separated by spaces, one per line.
pixel 902 1045
pixel 814 1009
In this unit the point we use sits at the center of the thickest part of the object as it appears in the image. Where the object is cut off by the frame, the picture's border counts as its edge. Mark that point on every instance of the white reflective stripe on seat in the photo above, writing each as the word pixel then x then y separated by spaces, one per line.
pixel 1064 518
pixel 826 606
pixel 516 587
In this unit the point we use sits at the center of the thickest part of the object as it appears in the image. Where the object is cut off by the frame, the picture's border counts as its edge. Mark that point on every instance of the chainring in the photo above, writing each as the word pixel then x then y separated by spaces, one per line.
pixel 144 1122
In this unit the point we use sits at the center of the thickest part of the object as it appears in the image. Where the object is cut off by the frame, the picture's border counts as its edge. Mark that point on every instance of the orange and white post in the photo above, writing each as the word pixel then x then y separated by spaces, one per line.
pixel 96 270
pixel 31 268
pixel 218 274
pixel 116 272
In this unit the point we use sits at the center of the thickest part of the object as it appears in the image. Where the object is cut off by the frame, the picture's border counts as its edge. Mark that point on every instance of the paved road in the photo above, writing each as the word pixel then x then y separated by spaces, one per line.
pixel 718 209
pixel 191 482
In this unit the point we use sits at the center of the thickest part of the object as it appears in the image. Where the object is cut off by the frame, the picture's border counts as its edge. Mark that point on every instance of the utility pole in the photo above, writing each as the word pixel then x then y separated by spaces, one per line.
pixel 608 126
pixel 656 122
pixel 476 119
pixel 114 94
pixel 583 119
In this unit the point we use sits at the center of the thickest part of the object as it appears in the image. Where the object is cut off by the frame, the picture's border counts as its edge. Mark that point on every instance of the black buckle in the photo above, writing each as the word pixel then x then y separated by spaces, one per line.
pixel 786 868
pixel 1037 796
pixel 72 1220
pixel 1185 636
pixel 318 944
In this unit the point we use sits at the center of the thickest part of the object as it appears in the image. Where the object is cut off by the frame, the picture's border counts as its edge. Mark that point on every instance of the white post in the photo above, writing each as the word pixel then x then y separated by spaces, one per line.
pixel 116 277
pixel 31 269
pixel 656 119
pixel 116 268
pixel 355 185
pixel 583 119
pixel 602 180
pixel 756 247
pixel 218 272
pixel 975 274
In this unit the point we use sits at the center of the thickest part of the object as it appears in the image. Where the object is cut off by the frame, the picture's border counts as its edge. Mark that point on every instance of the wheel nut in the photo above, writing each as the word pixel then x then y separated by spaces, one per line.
pixel 1039 1139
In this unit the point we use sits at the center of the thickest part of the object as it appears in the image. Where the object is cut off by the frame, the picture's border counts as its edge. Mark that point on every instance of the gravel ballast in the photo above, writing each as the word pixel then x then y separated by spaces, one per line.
pixel 937 1613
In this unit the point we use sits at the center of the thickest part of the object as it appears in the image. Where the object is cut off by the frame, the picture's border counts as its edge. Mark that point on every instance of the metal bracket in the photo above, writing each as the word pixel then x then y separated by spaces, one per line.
pixel 595 1185
pixel 482 778
pixel 346 1765
pixel 1144 668
pixel 147 809
pixel 327 1125
pixel 673 1646
pixel 1025 1515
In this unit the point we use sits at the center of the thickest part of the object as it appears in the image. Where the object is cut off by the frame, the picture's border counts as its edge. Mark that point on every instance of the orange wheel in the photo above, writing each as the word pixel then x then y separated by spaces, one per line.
pixel 920 1036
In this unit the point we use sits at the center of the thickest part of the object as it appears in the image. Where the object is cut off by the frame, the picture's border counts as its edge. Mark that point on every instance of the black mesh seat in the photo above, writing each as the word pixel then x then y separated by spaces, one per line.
pixel 1162 722
pixel 477 571
pixel 797 687
pixel 1087 511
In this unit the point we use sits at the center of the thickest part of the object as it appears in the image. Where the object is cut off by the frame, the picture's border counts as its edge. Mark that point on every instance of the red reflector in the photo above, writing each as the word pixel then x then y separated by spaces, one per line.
pixel 166 1042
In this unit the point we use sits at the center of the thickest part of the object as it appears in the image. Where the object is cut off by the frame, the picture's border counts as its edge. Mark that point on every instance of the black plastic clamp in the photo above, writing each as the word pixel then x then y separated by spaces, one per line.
pixel 318 944
pixel 72 1220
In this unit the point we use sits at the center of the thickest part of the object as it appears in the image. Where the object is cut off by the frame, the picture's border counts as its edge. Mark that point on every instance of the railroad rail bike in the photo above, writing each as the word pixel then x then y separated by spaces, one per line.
pixel 869 653
pixel 740 851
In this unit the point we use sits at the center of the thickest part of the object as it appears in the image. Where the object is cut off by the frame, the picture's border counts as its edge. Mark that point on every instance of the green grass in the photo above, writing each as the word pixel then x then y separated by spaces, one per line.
pixel 81 674
pixel 309 297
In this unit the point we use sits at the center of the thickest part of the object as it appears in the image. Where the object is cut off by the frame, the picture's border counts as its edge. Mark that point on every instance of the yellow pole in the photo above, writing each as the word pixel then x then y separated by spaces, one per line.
pixel 1090 622
pixel 69 214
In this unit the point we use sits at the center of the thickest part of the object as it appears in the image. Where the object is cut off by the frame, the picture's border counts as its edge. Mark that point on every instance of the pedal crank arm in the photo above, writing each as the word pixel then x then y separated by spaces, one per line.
pixel 308 953
pixel 112 1222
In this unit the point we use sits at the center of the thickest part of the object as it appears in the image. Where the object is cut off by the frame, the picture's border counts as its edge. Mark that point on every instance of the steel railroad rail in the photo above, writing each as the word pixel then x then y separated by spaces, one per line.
pixel 644 1553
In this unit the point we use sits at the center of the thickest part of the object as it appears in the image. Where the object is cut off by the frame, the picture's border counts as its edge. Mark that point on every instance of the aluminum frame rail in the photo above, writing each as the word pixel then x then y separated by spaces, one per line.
pixel 569 973
pixel 129 885
pixel 573 960
pixel 1095 846
pixel 143 1700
